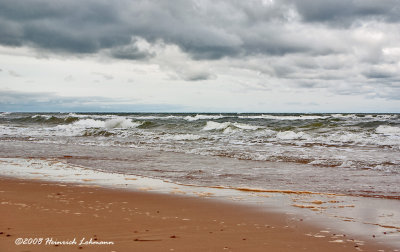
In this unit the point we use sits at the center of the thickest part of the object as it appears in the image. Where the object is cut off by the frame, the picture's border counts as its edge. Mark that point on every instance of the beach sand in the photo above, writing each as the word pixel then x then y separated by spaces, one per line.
pixel 145 221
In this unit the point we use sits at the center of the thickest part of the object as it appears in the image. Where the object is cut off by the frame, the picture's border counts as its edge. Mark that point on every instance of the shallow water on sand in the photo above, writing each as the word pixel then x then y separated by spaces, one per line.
pixel 214 170
pixel 347 219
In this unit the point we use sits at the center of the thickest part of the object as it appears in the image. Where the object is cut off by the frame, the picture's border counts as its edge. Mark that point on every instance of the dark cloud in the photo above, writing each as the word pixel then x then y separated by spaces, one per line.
pixel 68 26
pixel 204 29
pixel 198 76
pixel 15 101
pixel 336 43
pixel 347 12
pixel 131 52
pixel 375 73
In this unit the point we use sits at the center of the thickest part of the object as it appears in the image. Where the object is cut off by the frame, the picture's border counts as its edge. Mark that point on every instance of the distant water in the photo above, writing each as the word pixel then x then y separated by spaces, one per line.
pixel 355 154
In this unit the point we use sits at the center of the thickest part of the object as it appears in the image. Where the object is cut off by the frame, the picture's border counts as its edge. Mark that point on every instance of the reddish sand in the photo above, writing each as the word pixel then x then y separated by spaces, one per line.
pixel 142 221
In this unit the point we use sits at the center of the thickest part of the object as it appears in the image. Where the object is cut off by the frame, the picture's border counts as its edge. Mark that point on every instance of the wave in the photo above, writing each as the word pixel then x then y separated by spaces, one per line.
pixel 89 123
pixel 285 117
pixel 82 125
pixel 203 117
pixel 146 125
pixel 321 117
pixel 291 135
pixel 377 117
pixel 120 123
pixel 45 117
pixel 97 132
pixel 388 130
pixel 216 126
pixel 48 119
pixel 156 117
pixel 350 138
pixel 5 113
pixel 187 118
pixel 78 115
pixel 181 137
pixel 229 127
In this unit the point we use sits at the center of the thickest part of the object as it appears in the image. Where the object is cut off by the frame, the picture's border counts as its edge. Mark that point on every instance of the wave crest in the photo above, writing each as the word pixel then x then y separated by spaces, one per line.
pixel 114 123
pixel 120 123
pixel 229 127
pixel 203 117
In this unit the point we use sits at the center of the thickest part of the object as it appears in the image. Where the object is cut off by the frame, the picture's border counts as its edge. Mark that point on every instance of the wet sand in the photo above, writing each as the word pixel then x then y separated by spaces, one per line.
pixel 91 218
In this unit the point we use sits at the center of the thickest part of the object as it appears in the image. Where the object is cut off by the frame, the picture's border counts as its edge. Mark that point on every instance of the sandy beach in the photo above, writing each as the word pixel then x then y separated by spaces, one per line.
pixel 67 217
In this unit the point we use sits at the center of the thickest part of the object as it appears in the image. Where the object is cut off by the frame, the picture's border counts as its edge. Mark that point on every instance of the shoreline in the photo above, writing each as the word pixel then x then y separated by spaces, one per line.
pixel 149 221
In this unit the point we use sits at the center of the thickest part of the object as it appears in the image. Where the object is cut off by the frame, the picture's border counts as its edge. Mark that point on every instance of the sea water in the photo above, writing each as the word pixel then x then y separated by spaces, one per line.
pixel 352 154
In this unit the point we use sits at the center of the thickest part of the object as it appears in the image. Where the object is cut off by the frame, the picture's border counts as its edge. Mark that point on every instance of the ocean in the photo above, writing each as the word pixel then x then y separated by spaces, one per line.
pixel 350 154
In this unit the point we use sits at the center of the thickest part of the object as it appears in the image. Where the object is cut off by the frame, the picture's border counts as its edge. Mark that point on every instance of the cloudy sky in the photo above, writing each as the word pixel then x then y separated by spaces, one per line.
pixel 200 55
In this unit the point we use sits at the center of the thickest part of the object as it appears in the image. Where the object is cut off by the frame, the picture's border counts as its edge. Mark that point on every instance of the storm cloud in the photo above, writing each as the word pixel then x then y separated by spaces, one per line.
pixel 348 12
pixel 344 47
pixel 204 29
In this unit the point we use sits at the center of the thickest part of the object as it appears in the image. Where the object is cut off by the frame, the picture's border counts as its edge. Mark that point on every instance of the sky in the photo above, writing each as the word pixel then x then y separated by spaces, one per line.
pixel 200 56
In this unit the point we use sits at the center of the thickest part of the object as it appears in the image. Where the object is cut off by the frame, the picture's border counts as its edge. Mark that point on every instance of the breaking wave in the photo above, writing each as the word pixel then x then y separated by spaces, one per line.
pixel 47 119
pixel 290 135
pixel 284 117
pixel 388 130
pixel 182 137
pixel 203 117
pixel 314 139
pixel 121 123
pixel 229 127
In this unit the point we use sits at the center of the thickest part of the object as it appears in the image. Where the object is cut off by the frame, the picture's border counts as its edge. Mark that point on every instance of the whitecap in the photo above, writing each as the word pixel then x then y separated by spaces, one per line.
pixel 291 135
pixel 246 126
pixel 203 117
pixel 46 117
pixel 156 117
pixel 388 130
pixel 5 113
pixel 120 123
pixel 211 125
pixel 181 137
pixel 89 123
pixel 216 126
pixel 285 117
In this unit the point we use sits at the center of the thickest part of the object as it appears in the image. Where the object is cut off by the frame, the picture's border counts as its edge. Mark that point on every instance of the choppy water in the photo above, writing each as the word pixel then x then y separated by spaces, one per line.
pixel 356 154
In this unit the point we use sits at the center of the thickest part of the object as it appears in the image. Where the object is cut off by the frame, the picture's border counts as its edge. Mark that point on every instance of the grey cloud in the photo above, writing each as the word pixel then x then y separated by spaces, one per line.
pixel 376 73
pixel 198 76
pixel 68 26
pixel 204 29
pixel 104 75
pixel 310 43
pixel 14 74
pixel 347 12
pixel 130 52
pixel 9 97
pixel 16 101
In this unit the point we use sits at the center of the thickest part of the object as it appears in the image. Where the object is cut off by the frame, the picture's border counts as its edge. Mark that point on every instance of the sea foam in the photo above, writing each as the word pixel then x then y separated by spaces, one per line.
pixel 211 125
pixel 388 130
pixel 203 117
